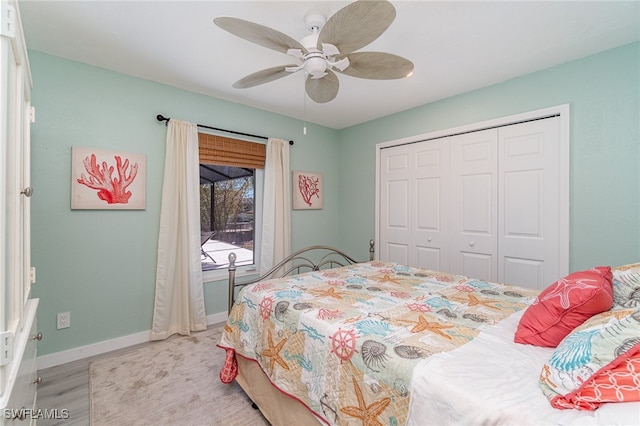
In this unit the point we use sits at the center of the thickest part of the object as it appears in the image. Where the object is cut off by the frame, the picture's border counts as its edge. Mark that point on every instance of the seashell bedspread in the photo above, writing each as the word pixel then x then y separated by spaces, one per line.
pixel 345 341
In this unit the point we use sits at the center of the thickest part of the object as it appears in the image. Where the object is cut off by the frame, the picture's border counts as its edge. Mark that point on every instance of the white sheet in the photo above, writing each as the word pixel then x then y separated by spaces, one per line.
pixel 454 388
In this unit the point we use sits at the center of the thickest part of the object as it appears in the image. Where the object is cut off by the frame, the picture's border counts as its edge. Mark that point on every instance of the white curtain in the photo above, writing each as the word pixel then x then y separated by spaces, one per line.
pixel 179 301
pixel 276 211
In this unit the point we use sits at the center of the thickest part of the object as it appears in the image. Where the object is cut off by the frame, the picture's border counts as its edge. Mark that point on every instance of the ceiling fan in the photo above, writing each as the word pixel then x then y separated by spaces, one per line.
pixel 330 47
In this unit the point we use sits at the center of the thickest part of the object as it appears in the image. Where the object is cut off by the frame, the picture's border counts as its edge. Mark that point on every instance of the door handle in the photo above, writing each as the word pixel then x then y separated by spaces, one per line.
pixel 471 243
pixel 28 191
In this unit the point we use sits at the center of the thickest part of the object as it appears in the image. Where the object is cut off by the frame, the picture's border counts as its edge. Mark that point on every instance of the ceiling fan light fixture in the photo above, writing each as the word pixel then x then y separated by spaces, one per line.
pixel 315 65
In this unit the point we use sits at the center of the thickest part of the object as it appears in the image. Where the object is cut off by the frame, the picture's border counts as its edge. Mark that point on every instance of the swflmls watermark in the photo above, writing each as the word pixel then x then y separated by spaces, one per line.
pixel 38 413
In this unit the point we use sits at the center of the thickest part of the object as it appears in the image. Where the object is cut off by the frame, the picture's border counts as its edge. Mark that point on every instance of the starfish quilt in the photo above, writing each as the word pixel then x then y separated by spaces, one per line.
pixel 345 341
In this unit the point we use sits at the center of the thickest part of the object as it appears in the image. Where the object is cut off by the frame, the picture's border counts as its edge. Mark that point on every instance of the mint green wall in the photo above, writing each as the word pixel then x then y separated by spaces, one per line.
pixel 101 265
pixel 604 96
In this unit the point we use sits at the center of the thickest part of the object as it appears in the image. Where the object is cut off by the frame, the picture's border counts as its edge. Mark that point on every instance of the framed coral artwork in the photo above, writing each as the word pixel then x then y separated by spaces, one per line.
pixel 308 192
pixel 103 179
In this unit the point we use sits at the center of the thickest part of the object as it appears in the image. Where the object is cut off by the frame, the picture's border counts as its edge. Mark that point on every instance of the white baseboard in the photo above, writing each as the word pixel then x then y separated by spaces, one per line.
pixel 216 318
pixel 62 357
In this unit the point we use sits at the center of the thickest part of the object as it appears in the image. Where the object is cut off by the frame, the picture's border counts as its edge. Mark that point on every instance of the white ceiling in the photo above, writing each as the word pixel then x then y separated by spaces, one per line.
pixel 456 46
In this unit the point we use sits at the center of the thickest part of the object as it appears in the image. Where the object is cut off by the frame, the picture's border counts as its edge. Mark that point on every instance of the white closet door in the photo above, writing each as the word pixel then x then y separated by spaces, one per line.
pixel 414 191
pixel 529 194
pixel 395 199
pixel 430 217
pixel 489 204
pixel 474 204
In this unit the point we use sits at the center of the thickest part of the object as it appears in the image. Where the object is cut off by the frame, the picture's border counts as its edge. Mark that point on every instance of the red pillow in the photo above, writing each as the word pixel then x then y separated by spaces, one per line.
pixel 565 305
pixel 615 384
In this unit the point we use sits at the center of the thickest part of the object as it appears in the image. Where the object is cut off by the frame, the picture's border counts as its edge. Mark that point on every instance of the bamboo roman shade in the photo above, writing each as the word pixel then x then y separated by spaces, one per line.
pixel 230 152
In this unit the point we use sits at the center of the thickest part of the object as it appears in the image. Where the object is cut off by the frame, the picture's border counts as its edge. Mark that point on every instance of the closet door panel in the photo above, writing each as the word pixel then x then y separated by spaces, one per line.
pixel 430 258
pixel 523 272
pixel 477 265
pixel 529 199
pixel 428 204
pixel 426 234
pixel 395 204
pixel 430 232
pixel 414 220
pixel 398 253
pixel 474 204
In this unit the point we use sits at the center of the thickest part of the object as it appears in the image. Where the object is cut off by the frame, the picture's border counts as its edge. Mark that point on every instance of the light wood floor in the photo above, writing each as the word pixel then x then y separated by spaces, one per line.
pixel 66 386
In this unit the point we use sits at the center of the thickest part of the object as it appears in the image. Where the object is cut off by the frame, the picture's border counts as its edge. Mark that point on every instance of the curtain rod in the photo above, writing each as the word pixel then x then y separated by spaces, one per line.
pixel 160 117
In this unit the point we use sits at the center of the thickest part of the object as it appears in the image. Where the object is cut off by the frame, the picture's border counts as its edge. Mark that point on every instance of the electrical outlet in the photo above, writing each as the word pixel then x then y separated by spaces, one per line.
pixel 64 320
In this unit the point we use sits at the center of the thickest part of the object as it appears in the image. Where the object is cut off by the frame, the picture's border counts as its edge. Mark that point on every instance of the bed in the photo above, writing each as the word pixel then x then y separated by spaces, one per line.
pixel 342 342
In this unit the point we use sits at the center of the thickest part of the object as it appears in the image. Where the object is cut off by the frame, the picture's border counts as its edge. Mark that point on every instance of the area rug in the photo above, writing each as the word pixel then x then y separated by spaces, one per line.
pixel 172 382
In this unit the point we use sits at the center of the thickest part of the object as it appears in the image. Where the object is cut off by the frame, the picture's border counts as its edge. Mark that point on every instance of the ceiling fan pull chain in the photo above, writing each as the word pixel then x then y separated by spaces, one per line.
pixel 304 113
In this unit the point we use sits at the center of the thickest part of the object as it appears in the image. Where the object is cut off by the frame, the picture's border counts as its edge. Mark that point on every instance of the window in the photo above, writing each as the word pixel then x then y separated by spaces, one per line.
pixel 230 191
pixel 227 200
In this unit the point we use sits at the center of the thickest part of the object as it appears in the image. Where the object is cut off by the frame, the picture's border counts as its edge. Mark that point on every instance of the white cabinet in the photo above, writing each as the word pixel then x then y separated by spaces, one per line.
pixel 21 406
pixel 18 311
pixel 487 203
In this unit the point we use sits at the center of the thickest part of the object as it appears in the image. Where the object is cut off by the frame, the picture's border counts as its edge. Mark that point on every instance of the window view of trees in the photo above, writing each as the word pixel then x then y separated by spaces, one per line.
pixel 227 212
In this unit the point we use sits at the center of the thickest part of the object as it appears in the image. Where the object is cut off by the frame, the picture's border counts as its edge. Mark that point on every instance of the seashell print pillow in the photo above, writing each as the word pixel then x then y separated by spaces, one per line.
pixel 598 362
pixel 626 286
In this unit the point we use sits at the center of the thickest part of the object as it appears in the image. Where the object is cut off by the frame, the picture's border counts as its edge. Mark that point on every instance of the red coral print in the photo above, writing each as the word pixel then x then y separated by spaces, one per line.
pixel 113 190
pixel 336 283
pixel 308 187
pixel 445 278
pixel 462 287
pixel 419 307
pixel 326 314
pixel 400 294
pixel 261 286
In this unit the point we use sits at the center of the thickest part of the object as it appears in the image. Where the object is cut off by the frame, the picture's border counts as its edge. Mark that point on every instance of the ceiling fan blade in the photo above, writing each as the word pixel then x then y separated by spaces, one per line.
pixel 259 34
pixel 377 66
pixel 263 76
pixel 322 90
pixel 357 24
